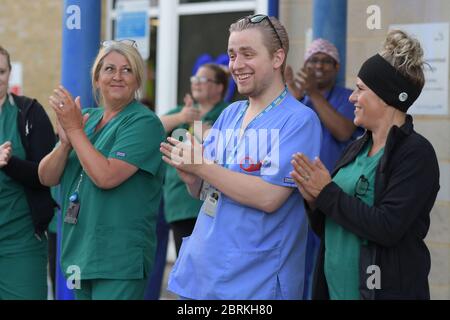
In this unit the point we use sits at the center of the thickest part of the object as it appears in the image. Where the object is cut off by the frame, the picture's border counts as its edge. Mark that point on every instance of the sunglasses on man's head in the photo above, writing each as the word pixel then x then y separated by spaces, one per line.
pixel 257 18
pixel 129 42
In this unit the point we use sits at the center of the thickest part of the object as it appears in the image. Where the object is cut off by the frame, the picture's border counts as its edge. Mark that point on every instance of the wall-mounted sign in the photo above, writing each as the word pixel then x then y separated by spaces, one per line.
pixel 435 44
pixel 132 22
pixel 15 79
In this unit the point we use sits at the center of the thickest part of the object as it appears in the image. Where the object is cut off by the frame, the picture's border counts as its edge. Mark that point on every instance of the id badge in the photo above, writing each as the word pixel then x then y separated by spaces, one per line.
pixel 72 213
pixel 206 189
pixel 211 202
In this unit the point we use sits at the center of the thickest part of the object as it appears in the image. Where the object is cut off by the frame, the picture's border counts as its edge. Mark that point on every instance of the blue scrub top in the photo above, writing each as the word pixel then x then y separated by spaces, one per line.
pixel 331 148
pixel 242 252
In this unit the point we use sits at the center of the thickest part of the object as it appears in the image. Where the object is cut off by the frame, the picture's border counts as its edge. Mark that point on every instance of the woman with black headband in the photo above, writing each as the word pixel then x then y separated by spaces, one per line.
pixel 373 212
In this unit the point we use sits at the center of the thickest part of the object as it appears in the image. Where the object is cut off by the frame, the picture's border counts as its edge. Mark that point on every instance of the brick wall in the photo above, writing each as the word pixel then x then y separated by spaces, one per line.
pixel 32 33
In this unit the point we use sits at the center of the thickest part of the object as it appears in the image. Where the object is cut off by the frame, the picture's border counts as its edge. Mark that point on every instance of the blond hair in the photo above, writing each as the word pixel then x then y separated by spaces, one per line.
pixel 405 54
pixel 270 39
pixel 130 53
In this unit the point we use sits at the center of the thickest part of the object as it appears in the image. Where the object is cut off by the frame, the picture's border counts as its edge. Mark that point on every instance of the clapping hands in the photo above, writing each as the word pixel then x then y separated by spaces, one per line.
pixel 309 176
pixel 5 153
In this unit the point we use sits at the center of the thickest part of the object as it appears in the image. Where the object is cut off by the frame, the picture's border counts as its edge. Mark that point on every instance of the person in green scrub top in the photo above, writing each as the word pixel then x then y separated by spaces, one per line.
pixel 26 207
pixel 373 212
pixel 111 175
pixel 208 88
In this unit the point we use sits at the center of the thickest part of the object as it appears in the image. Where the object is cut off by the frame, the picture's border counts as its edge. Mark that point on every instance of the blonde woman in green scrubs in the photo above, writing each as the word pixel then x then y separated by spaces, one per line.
pixel 111 174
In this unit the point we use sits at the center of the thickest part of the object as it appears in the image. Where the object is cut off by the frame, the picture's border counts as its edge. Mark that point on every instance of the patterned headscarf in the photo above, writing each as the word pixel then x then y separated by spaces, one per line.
pixel 324 46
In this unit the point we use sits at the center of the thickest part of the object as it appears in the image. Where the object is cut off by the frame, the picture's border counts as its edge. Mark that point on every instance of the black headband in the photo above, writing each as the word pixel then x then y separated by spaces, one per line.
pixel 388 83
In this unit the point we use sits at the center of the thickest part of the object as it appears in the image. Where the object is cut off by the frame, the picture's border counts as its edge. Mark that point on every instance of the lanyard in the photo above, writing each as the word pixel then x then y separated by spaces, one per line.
pixel 75 195
pixel 273 104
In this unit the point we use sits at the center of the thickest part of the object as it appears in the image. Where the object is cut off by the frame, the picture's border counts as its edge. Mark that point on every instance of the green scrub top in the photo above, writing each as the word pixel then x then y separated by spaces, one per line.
pixel 115 236
pixel 342 247
pixel 16 225
pixel 178 203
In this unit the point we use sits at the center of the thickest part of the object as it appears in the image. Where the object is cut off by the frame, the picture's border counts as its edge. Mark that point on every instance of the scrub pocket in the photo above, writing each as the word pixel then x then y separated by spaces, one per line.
pixel 184 242
pixel 252 274
pixel 120 252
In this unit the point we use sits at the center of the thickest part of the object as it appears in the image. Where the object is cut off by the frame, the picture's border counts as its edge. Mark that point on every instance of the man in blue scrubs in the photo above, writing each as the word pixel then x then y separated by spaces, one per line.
pixel 249 241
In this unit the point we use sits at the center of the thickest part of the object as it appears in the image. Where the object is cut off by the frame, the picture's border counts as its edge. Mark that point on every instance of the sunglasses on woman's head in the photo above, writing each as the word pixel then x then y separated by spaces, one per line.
pixel 129 42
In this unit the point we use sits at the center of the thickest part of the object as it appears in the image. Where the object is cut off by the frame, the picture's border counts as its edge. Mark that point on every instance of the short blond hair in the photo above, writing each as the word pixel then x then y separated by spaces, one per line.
pixel 130 53
pixel 269 37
